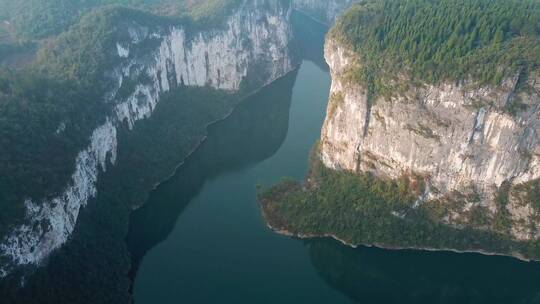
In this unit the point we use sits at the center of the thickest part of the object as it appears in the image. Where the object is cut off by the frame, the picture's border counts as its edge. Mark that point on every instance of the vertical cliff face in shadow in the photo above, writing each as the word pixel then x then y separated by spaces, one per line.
pixel 253 132
pixel 412 277
pixel 309 38
pixel 95 266
pixel 146 60
pixel 323 11
pixel 167 83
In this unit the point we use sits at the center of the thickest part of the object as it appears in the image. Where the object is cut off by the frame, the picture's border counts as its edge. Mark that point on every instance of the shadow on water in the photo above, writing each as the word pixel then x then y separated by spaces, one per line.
pixel 383 276
pixel 309 39
pixel 252 133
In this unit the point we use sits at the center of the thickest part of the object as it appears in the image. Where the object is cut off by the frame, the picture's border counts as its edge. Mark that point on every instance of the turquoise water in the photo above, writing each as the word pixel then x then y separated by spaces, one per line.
pixel 200 237
pixel 220 250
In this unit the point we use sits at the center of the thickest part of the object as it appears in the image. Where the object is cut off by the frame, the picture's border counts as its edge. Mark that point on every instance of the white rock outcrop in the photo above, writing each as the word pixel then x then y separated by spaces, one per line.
pixel 462 140
pixel 254 39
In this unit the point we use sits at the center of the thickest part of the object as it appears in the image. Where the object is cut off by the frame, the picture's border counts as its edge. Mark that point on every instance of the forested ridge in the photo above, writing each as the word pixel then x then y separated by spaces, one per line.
pixel 435 40
pixel 49 108
pixel 37 19
pixel 38 103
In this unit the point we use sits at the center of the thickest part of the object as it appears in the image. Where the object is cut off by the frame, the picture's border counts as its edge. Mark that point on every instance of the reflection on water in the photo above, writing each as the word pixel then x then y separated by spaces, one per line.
pixel 253 132
pixel 383 276
pixel 219 251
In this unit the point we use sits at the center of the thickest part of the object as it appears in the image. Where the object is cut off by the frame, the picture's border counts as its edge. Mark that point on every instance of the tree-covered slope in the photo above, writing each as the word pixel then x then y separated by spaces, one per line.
pixel 49 109
pixel 36 19
pixel 434 40
pixel 362 209
pixel 431 135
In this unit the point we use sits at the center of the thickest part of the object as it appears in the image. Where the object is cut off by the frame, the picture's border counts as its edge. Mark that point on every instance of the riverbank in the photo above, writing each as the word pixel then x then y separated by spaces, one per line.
pixel 214 194
pixel 148 155
pixel 206 127
pixel 307 236
pixel 360 210
pixel 189 173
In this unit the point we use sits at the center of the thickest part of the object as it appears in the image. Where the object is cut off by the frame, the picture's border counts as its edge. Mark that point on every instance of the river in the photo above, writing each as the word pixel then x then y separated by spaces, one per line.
pixel 219 250
pixel 200 237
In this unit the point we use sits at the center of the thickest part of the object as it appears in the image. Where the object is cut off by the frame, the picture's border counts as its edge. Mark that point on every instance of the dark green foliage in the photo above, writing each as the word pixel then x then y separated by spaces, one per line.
pixel 97 246
pixel 81 53
pixel 33 155
pixel 529 194
pixel 363 209
pixel 37 19
pixel 93 266
pixel 211 12
pixel 435 40
pixel 49 109
pixel 502 220
pixel 341 202
pixel 87 50
pixel 10 51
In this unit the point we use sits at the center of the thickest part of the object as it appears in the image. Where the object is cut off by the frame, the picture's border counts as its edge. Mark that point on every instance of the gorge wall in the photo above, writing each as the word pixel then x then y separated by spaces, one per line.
pixel 253 44
pixel 324 11
pixel 472 152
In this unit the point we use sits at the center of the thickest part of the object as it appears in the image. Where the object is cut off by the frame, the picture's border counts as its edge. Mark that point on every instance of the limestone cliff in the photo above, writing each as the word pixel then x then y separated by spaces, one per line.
pixel 253 44
pixel 472 152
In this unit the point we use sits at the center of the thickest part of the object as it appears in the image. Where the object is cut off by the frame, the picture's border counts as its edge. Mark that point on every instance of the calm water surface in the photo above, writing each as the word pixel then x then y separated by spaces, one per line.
pixel 219 250
pixel 200 237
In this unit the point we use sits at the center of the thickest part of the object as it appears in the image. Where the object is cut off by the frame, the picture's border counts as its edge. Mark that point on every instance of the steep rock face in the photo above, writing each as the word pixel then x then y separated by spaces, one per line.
pixel 462 139
pixel 325 11
pixel 151 60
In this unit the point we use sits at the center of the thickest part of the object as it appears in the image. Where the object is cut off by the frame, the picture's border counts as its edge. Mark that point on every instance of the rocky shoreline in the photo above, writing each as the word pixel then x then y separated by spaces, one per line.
pixel 306 236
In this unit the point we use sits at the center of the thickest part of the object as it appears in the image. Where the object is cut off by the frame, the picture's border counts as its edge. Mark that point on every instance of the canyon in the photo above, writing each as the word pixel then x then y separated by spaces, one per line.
pixel 424 145
pixel 229 58
pixel 147 62
pixel 200 113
